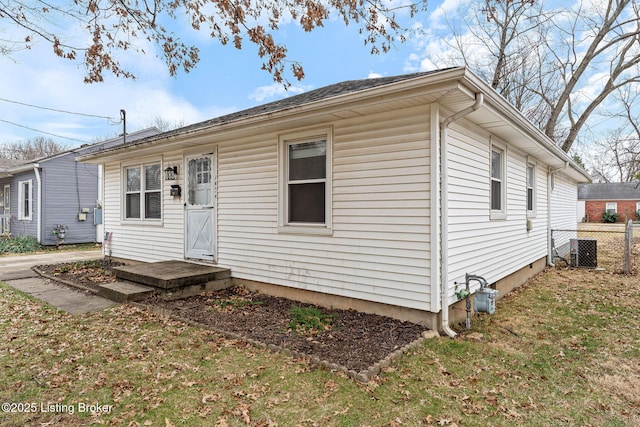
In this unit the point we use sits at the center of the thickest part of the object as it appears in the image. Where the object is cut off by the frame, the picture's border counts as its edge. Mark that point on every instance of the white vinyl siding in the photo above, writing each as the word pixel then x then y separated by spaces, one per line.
pixel 564 199
pixel 563 207
pixel 378 183
pixel 379 249
pixel 144 241
pixel 478 245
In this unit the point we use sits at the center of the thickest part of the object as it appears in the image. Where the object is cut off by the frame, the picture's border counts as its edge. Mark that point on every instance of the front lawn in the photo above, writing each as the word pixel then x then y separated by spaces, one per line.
pixel 28 245
pixel 564 350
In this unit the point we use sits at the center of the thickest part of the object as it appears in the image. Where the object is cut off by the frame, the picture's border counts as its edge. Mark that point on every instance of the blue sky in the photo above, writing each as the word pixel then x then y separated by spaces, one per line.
pixel 225 80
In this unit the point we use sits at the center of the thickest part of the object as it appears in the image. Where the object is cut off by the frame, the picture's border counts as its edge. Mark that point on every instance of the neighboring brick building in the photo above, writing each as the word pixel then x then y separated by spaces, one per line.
pixel 620 197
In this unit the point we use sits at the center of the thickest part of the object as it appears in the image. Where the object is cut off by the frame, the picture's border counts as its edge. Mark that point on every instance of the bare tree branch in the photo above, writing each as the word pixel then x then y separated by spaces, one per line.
pixel 31 149
pixel 117 26
pixel 545 61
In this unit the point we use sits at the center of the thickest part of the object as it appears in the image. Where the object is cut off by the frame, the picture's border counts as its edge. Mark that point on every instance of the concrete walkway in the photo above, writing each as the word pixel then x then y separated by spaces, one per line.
pixel 15 270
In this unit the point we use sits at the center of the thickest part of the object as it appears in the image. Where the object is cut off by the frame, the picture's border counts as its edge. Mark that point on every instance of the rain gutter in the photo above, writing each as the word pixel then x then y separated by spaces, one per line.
pixel 36 170
pixel 444 203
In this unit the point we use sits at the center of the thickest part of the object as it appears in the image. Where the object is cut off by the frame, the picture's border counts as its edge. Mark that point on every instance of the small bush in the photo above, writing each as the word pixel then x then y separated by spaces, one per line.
pixel 308 320
pixel 19 245
pixel 609 217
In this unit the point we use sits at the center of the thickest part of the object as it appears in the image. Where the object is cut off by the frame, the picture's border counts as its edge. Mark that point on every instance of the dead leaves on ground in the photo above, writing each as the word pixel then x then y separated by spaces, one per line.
pixel 566 344
pixel 122 356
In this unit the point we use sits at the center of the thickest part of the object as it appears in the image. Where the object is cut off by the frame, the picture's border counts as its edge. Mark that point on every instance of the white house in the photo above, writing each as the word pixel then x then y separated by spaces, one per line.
pixel 376 194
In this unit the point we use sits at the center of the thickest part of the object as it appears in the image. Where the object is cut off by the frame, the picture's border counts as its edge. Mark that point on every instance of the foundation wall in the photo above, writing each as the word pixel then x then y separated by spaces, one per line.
pixel 458 311
pixel 424 318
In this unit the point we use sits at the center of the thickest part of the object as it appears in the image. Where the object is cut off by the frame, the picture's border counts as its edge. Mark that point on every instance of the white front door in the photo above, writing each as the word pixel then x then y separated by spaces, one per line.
pixel 200 207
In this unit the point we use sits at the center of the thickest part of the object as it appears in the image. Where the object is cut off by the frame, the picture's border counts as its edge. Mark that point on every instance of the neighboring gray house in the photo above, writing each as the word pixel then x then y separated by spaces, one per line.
pixel 5 195
pixel 37 196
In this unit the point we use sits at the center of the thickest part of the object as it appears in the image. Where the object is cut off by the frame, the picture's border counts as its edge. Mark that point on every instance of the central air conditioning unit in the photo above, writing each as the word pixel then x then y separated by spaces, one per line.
pixel 583 253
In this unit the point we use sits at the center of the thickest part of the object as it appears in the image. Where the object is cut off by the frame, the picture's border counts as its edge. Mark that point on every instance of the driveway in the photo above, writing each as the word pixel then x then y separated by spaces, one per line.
pixel 19 266
pixel 15 270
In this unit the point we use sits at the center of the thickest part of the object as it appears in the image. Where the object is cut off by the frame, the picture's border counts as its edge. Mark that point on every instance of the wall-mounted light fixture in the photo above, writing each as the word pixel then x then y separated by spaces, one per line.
pixel 170 173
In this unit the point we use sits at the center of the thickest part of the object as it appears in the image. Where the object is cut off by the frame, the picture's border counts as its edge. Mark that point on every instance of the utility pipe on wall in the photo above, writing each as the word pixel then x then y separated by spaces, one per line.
pixel 444 223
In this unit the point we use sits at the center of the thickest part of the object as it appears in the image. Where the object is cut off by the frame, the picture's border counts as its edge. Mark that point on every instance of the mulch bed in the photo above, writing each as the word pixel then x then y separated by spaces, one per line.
pixel 351 340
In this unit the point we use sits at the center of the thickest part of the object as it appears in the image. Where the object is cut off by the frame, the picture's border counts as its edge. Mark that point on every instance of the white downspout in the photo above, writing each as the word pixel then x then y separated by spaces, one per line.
pixel 444 203
pixel 100 203
pixel 549 189
pixel 36 169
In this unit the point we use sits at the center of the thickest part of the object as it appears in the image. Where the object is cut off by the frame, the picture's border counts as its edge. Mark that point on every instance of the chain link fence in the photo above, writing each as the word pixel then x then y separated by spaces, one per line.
pixel 612 247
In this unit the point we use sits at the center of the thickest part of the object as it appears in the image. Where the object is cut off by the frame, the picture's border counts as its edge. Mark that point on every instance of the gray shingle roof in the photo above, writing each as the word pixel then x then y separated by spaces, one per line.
pixel 609 191
pixel 322 93
pixel 7 163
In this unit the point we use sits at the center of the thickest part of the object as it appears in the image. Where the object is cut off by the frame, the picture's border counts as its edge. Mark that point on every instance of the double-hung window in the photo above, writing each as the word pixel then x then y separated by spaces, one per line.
pixel 305 182
pixel 531 189
pixel 497 180
pixel 25 198
pixel 143 192
pixel 612 207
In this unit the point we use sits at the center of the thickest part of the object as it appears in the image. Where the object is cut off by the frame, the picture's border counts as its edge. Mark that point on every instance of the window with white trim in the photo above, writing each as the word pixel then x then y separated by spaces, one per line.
pixel 497 179
pixel 612 207
pixel 531 188
pixel 143 191
pixel 25 200
pixel 305 202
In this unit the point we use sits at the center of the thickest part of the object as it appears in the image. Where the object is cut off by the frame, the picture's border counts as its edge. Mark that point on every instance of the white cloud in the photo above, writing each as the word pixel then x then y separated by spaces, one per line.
pixel 443 12
pixel 276 91
pixel 39 78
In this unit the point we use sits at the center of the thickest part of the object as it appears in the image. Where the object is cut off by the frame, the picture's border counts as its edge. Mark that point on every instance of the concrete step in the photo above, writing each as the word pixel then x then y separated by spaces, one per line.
pixel 124 291
pixel 190 290
pixel 170 275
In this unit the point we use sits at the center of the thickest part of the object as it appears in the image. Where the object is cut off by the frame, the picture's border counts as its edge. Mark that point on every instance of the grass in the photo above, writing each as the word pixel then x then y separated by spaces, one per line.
pixel 26 245
pixel 18 245
pixel 308 320
pixel 562 350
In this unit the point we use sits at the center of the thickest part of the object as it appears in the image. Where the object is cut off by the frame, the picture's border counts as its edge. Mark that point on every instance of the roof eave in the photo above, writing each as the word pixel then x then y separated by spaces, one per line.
pixel 492 98
pixel 22 168
pixel 446 76
pixel 456 78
